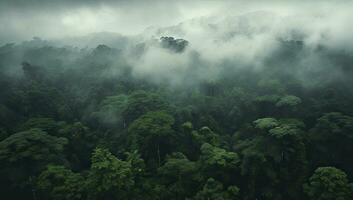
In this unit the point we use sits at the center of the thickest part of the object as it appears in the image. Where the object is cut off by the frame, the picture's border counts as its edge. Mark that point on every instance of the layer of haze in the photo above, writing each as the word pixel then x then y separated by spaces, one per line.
pixel 244 33
pixel 23 19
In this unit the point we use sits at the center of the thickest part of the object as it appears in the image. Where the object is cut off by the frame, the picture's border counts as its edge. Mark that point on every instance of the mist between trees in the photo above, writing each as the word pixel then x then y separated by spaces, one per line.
pixel 249 106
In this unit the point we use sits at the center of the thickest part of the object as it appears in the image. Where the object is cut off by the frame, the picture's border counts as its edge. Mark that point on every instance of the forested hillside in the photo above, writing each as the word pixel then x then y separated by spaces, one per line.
pixel 78 123
pixel 176 100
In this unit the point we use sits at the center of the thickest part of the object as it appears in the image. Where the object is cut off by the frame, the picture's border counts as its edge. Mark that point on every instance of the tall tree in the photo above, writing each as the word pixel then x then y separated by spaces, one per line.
pixel 25 154
pixel 152 135
pixel 328 183
pixel 109 177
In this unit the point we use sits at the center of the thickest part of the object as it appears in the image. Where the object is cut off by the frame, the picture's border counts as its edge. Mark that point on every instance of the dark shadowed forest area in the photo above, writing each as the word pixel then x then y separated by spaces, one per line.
pixel 254 105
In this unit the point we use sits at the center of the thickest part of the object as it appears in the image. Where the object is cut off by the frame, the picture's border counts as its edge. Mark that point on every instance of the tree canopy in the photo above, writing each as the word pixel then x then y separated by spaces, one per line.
pixel 88 123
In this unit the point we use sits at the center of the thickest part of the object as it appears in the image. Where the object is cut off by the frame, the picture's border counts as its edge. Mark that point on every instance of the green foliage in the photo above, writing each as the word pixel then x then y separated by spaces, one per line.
pixel 265 123
pixel 43 100
pixel 180 175
pixel 213 190
pixel 178 167
pixel 328 183
pixel 137 163
pixel 205 134
pixel 218 163
pixel 33 145
pixel 217 157
pixel 336 123
pixel 3 134
pixel 187 126
pixel 46 124
pixel 81 143
pixel 279 128
pixel 288 100
pixel 23 156
pixel 61 183
pixel 262 129
pixel 268 99
pixel 333 139
pixel 141 102
pixel 26 153
pixel 282 131
pixel 251 162
pixel 271 85
pixel 292 122
pixel 109 176
pixel 110 112
pixel 152 124
pixel 152 135
pixel 280 147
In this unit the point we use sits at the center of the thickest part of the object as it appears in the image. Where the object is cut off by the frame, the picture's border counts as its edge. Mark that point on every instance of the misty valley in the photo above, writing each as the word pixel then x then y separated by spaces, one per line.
pixel 254 105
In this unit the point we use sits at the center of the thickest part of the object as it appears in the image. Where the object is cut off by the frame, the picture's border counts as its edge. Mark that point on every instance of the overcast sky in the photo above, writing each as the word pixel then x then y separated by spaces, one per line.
pixel 50 19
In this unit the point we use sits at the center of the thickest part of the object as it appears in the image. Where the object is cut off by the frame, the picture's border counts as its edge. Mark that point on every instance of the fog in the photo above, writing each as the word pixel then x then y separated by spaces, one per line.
pixel 22 19
pixel 57 19
pixel 242 33
pixel 183 99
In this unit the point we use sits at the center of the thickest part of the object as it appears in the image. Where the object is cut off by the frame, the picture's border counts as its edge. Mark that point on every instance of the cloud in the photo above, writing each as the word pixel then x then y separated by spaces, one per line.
pixel 243 33
pixel 253 38
pixel 22 19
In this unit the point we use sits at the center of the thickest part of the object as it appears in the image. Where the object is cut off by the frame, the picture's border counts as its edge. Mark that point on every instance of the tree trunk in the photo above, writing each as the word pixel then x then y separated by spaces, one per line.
pixel 159 156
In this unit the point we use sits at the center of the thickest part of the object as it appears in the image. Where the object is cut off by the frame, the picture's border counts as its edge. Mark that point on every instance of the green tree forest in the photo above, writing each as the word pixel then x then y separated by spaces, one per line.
pixel 90 129
pixel 240 108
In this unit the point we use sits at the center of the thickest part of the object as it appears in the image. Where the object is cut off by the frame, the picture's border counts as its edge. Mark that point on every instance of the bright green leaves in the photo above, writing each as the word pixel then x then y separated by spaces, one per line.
pixel 265 123
pixel 281 131
pixel 110 177
pixel 137 163
pixel 218 163
pixel 205 134
pixel 328 183
pixel 107 178
pixel 279 128
pixel 217 157
pixel 108 174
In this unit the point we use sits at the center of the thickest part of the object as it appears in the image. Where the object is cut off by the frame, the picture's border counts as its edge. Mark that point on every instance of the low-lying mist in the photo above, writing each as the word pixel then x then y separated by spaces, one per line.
pixel 176 100
pixel 301 42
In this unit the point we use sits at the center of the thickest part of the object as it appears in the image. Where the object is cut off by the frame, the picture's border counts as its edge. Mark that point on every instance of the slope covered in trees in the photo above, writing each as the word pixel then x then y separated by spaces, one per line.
pixel 83 124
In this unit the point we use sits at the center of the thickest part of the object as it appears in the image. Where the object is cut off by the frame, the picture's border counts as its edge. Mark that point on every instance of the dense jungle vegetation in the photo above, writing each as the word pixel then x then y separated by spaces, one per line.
pixel 79 123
